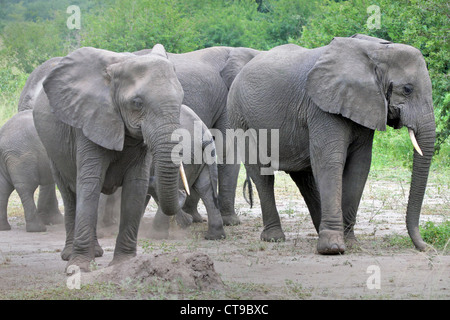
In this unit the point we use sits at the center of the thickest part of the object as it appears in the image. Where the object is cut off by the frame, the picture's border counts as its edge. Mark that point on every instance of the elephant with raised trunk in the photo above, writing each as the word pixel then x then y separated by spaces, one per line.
pixel 104 116
pixel 327 103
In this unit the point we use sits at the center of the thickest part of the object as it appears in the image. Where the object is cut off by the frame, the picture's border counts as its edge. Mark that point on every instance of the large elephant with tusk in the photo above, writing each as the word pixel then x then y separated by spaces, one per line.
pixel 326 104
pixel 104 118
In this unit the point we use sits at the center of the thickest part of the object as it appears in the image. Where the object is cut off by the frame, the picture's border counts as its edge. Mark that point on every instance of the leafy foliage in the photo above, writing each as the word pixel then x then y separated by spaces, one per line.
pixel 437 235
pixel 32 31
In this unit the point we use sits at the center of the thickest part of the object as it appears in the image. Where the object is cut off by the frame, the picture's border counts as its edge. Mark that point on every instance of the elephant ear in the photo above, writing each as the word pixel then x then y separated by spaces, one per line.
pixel 347 80
pixel 237 59
pixel 78 90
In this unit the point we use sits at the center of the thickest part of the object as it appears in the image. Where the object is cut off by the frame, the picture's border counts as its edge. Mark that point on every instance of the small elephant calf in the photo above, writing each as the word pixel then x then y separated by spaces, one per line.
pixel 24 165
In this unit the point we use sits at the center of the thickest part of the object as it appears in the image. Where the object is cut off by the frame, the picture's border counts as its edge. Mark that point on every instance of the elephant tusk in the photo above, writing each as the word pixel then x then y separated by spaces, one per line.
pixel 414 142
pixel 184 179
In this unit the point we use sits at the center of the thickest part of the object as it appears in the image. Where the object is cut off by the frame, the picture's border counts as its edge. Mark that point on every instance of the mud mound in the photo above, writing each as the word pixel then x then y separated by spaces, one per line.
pixel 190 270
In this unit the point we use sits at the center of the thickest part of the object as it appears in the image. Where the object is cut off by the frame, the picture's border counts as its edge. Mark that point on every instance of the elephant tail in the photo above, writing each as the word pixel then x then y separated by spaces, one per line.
pixel 248 184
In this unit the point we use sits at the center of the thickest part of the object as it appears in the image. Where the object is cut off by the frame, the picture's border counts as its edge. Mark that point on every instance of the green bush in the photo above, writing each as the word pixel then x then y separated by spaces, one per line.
pixel 33 31
pixel 438 235
pixel 12 80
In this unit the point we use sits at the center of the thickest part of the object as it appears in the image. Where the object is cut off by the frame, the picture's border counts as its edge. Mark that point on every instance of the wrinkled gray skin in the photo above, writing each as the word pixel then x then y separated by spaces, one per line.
pixel 24 166
pixel 206 76
pixel 327 102
pixel 27 101
pixel 102 118
pixel 202 180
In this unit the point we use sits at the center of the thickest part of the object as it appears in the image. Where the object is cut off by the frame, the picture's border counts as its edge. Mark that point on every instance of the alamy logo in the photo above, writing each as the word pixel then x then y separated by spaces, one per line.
pixel 74 21
pixel 74 280
pixel 374 280
pixel 374 20
pixel 251 147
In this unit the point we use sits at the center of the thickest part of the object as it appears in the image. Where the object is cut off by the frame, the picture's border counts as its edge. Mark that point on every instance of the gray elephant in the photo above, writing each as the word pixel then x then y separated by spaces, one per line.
pixel 103 117
pixel 199 162
pixel 109 206
pixel 24 166
pixel 206 76
pixel 326 104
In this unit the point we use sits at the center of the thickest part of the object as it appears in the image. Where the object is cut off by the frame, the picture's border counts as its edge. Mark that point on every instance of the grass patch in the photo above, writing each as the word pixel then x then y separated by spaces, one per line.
pixel 435 234
pixel 438 235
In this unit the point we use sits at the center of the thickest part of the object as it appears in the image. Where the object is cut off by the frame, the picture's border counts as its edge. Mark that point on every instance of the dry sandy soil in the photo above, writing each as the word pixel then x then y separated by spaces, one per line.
pixel 242 266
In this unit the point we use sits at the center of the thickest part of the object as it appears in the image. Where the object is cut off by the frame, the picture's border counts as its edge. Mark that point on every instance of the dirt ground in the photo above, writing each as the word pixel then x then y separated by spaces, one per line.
pixel 377 268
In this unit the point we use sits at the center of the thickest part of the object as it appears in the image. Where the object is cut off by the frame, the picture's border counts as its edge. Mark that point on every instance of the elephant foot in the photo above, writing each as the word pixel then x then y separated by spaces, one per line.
pixel 350 240
pixel 196 217
pixel 184 219
pixel 274 234
pixel 66 253
pixel 121 258
pixel 98 250
pixel 52 218
pixel 82 262
pixel 215 234
pixel 231 220
pixel 5 226
pixel 35 226
pixel 331 242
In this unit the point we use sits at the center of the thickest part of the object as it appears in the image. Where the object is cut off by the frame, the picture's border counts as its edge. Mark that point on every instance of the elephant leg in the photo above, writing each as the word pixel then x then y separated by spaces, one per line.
pixel 356 171
pixel 47 207
pixel 307 186
pixel 228 172
pixel 5 191
pixel 92 162
pixel 191 206
pixel 32 220
pixel 133 203
pixel 328 150
pixel 69 202
pixel 228 175
pixel 204 186
pixel 271 219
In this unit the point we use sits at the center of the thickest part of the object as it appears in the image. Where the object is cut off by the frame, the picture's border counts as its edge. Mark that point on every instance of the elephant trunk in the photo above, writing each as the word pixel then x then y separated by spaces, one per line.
pixel 425 136
pixel 167 170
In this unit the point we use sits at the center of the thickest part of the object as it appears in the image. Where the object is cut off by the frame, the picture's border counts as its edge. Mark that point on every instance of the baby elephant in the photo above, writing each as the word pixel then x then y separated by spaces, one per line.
pixel 200 166
pixel 24 165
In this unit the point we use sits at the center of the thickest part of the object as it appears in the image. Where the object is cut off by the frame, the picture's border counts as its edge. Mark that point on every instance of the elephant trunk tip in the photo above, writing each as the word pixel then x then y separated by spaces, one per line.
pixel 417 238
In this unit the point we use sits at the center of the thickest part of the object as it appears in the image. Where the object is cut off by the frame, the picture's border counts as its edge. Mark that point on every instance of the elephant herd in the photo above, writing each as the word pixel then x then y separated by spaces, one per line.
pixel 99 123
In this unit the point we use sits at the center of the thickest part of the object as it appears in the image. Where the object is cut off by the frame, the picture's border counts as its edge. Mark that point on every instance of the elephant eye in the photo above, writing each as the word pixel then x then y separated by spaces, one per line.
pixel 408 89
pixel 137 102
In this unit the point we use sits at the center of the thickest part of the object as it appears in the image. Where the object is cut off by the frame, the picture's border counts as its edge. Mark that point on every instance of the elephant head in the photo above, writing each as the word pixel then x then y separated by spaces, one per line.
pixel 377 83
pixel 120 98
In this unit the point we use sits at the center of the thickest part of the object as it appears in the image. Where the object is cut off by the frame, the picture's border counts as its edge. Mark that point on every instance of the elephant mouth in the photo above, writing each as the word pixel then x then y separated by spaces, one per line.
pixel 394 123
pixel 393 118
